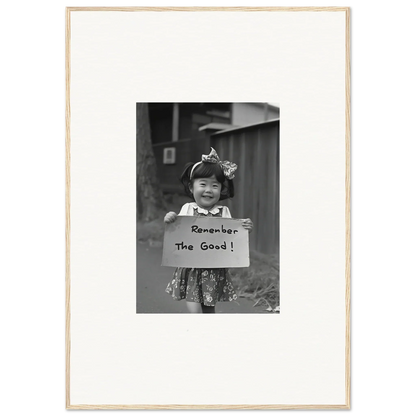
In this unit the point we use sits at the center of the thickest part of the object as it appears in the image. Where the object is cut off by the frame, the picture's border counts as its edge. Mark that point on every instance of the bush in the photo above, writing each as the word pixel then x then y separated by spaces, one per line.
pixel 260 281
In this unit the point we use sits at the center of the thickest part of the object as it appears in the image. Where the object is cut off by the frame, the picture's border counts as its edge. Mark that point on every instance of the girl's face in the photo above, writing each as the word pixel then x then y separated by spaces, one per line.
pixel 206 191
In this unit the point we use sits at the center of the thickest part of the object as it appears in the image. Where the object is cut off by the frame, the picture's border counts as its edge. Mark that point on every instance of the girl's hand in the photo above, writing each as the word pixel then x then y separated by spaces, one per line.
pixel 170 217
pixel 248 224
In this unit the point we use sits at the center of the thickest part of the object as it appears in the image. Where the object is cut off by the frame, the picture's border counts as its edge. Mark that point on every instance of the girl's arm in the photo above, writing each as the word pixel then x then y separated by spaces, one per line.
pixel 171 216
pixel 186 209
pixel 247 223
pixel 226 212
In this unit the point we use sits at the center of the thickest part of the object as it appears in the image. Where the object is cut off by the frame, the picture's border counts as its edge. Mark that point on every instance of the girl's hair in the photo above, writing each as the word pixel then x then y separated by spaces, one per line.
pixel 205 170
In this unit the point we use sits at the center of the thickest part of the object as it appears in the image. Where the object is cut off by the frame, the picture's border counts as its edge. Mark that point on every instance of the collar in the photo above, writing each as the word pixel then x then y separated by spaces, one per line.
pixel 214 210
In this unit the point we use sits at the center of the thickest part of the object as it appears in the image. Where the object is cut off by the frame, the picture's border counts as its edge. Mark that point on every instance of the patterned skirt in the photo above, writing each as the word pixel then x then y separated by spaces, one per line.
pixel 206 286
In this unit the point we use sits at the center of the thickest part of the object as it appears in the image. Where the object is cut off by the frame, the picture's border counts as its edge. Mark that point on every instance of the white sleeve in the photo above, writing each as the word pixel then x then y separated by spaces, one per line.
pixel 185 210
pixel 226 212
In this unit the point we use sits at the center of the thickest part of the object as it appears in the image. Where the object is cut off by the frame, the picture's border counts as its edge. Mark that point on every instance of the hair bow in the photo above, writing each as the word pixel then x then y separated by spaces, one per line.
pixel 228 167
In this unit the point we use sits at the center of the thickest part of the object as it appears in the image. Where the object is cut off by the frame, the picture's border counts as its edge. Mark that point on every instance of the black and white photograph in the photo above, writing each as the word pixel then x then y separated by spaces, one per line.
pixel 208 160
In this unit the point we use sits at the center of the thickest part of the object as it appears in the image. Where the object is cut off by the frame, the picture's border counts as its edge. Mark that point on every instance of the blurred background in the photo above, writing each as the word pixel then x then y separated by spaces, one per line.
pixel 169 135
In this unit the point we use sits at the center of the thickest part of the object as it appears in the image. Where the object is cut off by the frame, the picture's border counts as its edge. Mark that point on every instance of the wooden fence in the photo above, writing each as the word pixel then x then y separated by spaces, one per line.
pixel 255 149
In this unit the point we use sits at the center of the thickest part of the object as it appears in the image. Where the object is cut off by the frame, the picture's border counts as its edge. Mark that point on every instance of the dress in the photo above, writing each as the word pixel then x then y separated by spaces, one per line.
pixel 206 286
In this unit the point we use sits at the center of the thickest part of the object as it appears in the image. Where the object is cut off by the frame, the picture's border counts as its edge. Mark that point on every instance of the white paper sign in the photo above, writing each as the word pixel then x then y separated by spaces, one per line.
pixel 205 242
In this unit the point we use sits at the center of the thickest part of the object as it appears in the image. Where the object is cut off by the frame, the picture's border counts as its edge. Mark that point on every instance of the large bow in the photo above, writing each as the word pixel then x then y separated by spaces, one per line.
pixel 228 167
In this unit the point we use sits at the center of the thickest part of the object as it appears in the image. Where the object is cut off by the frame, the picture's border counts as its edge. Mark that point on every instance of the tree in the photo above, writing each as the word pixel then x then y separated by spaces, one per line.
pixel 149 194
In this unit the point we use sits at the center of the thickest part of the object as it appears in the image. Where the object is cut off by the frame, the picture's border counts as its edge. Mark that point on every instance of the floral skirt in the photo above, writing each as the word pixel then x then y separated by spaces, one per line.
pixel 206 286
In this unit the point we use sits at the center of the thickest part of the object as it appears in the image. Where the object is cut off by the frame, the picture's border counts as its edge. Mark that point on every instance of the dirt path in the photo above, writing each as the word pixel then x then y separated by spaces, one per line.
pixel 152 280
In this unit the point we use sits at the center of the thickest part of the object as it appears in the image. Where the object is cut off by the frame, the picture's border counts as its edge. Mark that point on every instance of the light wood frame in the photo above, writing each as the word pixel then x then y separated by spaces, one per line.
pixel 345 10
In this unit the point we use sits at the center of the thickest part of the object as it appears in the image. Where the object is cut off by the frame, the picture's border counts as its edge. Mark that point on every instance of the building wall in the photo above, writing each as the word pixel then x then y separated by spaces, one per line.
pixel 187 150
pixel 191 116
pixel 255 149
pixel 243 114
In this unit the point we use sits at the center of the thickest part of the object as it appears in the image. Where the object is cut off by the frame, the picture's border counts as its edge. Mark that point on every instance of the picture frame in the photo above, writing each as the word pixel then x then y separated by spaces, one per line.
pixel 169 155
pixel 117 56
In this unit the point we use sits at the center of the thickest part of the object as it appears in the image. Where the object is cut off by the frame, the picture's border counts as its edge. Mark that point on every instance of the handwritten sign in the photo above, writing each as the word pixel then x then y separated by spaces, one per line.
pixel 205 242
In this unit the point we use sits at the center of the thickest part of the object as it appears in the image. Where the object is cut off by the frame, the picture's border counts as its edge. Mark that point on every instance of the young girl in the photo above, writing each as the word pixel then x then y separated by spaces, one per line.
pixel 206 182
